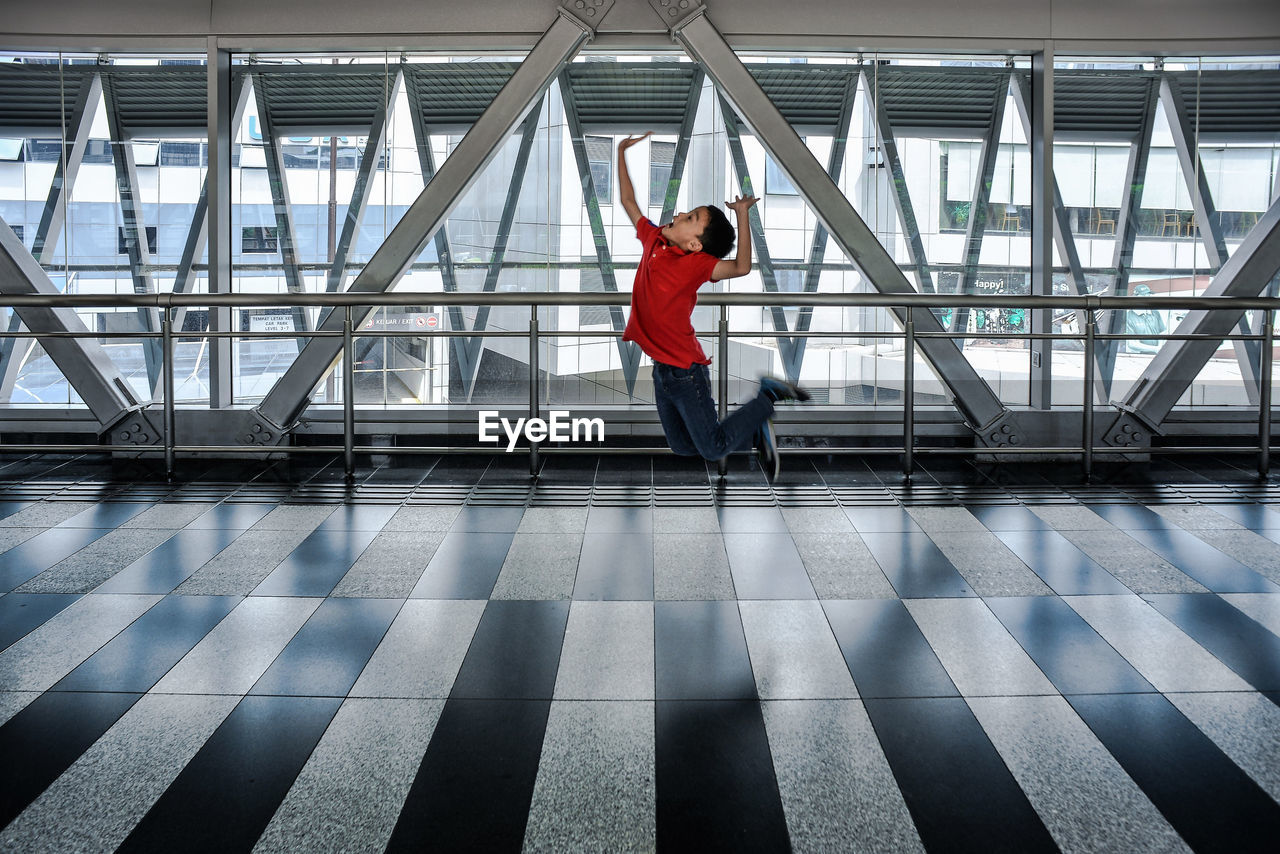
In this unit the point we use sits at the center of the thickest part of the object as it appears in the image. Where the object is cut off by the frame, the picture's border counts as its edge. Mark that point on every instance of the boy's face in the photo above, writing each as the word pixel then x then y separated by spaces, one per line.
pixel 686 229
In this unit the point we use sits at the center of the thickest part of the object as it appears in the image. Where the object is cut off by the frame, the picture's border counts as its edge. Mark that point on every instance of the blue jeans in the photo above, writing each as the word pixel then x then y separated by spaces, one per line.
pixel 688 414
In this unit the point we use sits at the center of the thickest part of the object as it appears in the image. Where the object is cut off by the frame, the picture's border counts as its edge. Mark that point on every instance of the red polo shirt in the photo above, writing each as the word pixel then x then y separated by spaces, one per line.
pixel 663 297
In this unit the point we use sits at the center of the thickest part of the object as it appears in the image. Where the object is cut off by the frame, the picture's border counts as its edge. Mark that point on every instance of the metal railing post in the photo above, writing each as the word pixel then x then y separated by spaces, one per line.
pixel 1086 440
pixel 722 464
pixel 533 384
pixel 1264 394
pixel 348 398
pixel 166 326
pixel 909 397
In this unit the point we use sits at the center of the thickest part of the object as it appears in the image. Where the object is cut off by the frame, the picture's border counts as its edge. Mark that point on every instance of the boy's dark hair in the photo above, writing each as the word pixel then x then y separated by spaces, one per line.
pixel 717 238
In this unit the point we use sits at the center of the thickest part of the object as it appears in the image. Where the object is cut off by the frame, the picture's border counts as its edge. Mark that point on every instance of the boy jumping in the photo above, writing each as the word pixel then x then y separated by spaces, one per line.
pixel 677 258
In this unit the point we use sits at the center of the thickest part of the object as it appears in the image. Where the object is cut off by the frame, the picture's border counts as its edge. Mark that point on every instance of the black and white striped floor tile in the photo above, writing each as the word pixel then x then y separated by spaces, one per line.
pixel 443 657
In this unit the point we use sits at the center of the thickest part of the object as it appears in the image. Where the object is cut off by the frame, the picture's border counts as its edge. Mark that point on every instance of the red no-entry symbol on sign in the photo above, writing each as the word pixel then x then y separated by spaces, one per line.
pixel 432 321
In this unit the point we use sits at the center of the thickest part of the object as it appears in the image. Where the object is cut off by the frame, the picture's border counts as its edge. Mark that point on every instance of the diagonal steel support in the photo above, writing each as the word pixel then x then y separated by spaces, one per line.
pixel 427 164
pixel 702 41
pixel 198 235
pixel 280 201
pixel 473 347
pixel 80 122
pixel 83 361
pixel 1062 236
pixel 14 351
pixel 818 248
pixel 557 46
pixel 1248 353
pixel 1250 269
pixel 901 198
pixel 1184 143
pixel 360 192
pixel 977 226
pixel 682 148
pixel 763 260
pixel 628 352
pixel 1112 322
pixel 13 354
pixel 135 232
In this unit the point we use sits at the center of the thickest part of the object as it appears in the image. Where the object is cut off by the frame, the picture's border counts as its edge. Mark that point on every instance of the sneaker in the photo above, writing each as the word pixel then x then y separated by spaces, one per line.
pixel 779 390
pixel 767 451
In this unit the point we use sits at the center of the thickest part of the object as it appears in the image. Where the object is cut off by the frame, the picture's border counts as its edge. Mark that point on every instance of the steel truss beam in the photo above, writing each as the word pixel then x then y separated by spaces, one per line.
pixel 682 149
pixel 374 144
pixel 980 406
pixel 448 280
pixel 198 235
pixel 901 198
pixel 557 46
pixel 790 348
pixel 818 247
pixel 1062 236
pixel 54 216
pixel 83 361
pixel 135 232
pixel 1112 322
pixel 14 351
pixel 1175 111
pixel 763 260
pixel 977 226
pixel 469 351
pixel 473 348
pixel 1252 268
pixel 280 203
pixel 1248 353
pixel 628 352
pixel 360 192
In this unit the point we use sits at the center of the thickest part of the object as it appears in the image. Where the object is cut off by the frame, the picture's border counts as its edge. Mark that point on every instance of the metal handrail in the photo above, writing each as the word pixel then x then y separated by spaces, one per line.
pixel 1093 302
pixel 1090 304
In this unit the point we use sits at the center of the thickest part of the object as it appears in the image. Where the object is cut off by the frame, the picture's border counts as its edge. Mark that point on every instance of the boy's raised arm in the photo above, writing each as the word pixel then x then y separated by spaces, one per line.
pixel 625 190
pixel 741 263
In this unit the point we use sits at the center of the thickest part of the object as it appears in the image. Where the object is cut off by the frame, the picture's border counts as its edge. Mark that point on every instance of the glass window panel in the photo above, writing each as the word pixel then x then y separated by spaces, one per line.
pixel 1164 187
pixel 962 170
pixel 600 156
pixel 122 242
pixel 1238 178
pixel 1074 167
pixel 1021 176
pixel 1002 177
pixel 146 153
pixel 181 154
pixel 1111 166
pixel 776 182
pixel 259 239
pixel 661 158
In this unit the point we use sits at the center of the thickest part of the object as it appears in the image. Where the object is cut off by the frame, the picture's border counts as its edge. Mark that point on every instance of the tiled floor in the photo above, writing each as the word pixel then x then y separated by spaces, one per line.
pixel 633 654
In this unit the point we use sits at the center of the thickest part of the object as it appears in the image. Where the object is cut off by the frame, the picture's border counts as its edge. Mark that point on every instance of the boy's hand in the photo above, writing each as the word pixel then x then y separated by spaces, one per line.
pixel 626 192
pixel 741 263
pixel 632 140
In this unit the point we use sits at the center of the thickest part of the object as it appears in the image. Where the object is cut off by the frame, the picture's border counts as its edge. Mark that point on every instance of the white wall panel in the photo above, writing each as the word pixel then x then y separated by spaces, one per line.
pixel 744 22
